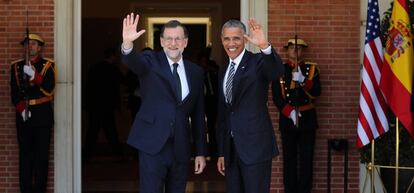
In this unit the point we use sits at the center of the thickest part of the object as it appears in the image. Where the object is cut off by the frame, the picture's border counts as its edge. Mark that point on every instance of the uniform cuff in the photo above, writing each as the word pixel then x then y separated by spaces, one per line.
pixel 286 110
pixel 20 106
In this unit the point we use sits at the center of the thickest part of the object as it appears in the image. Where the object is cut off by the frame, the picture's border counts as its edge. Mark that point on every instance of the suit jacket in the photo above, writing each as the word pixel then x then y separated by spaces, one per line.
pixel 162 116
pixel 247 118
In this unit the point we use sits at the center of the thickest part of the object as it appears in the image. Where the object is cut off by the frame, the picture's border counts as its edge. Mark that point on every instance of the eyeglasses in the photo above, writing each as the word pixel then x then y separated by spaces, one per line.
pixel 170 39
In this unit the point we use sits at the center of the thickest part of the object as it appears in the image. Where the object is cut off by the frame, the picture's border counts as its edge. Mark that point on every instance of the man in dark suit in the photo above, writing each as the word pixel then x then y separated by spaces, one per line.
pixel 172 94
pixel 296 91
pixel 245 136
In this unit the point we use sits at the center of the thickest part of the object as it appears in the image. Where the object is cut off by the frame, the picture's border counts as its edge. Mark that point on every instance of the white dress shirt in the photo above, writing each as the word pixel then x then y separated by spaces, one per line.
pixel 237 61
pixel 183 77
pixel 185 90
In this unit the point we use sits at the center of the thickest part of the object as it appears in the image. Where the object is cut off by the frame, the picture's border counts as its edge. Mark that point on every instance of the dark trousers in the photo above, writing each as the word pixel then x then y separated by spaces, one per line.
pixel 34 144
pixel 298 143
pixel 104 119
pixel 161 173
pixel 243 178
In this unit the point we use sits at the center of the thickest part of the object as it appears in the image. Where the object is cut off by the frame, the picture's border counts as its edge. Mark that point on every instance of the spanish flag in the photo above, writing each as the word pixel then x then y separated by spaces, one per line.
pixel 397 72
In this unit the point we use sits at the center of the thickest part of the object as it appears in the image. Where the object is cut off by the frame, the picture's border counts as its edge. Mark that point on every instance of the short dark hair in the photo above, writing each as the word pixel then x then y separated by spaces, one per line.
pixel 234 23
pixel 173 24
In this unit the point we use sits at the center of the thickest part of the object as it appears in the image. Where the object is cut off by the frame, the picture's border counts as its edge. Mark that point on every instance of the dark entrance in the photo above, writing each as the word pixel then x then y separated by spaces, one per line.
pixel 107 171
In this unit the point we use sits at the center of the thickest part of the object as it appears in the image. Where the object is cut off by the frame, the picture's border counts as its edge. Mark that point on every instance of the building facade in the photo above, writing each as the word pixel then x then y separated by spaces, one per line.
pixel 334 29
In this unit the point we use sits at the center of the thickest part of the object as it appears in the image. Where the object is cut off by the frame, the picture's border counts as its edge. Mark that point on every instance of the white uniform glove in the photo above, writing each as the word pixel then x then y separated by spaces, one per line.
pixel 25 115
pixel 29 71
pixel 298 76
pixel 293 116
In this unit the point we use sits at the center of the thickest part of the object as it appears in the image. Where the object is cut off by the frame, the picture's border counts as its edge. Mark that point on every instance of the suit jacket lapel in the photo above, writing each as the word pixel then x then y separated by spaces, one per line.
pixel 189 74
pixel 165 72
pixel 237 77
pixel 221 75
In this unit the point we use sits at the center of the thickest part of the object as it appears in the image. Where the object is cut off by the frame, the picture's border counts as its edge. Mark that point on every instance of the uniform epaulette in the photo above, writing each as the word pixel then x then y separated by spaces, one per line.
pixel 311 69
pixel 16 61
pixel 49 59
pixel 312 63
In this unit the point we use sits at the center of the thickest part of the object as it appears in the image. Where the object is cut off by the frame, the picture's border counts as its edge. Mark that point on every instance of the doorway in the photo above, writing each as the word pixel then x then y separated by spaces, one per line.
pixel 68 20
pixel 106 171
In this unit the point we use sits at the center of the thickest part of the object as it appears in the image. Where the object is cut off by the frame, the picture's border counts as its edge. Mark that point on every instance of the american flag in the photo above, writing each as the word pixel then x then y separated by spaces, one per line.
pixel 372 119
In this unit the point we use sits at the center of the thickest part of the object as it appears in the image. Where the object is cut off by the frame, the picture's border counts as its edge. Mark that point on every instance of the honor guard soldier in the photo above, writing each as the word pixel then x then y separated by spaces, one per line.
pixel 32 86
pixel 294 96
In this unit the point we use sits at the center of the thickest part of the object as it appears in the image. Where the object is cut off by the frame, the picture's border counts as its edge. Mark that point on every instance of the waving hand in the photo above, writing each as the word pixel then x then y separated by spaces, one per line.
pixel 257 36
pixel 129 30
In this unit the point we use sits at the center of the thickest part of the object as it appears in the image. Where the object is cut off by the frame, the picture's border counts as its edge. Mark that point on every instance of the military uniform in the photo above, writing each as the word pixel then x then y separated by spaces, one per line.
pixel 297 140
pixel 35 96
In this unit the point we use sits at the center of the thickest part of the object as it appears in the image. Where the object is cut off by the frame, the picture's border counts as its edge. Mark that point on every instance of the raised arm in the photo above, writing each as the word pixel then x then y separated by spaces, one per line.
pixel 129 31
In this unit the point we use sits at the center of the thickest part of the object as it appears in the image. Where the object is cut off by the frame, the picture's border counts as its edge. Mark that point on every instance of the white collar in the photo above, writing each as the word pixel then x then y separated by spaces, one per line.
pixel 238 59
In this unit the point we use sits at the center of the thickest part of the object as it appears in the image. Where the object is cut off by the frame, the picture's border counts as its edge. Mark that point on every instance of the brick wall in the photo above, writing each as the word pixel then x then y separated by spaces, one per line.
pixel 12 31
pixel 331 28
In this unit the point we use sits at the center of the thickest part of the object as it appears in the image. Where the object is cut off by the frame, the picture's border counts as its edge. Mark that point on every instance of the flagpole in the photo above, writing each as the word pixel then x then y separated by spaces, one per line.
pixel 397 152
pixel 371 166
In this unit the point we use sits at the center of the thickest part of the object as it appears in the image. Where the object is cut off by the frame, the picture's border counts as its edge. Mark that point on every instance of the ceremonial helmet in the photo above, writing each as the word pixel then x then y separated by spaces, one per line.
pixel 300 42
pixel 33 36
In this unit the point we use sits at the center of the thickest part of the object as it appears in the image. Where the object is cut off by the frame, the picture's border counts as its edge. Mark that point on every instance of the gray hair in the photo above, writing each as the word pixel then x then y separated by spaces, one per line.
pixel 234 23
